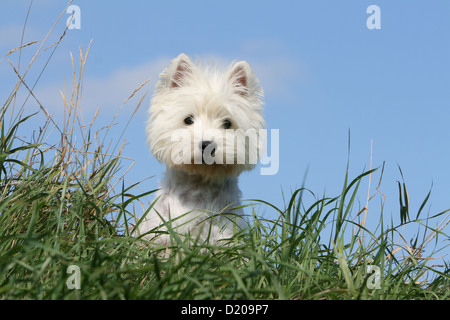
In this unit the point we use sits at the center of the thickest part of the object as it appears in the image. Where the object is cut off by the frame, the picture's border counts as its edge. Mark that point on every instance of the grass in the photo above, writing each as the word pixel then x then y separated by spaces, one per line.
pixel 66 203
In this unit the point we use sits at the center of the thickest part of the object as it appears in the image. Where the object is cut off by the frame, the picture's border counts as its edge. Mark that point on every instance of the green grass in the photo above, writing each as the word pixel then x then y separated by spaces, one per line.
pixel 67 203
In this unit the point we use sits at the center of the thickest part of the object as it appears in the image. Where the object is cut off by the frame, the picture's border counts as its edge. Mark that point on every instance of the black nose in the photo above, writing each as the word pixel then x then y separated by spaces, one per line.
pixel 204 144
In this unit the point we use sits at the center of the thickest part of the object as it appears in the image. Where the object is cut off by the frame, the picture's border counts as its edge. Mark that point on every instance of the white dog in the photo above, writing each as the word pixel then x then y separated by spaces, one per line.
pixel 204 124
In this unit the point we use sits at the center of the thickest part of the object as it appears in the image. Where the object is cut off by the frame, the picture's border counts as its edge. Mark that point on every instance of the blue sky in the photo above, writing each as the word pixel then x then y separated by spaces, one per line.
pixel 324 73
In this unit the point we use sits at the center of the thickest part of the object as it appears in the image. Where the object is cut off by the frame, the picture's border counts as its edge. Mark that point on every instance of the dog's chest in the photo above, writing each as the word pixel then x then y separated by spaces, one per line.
pixel 213 197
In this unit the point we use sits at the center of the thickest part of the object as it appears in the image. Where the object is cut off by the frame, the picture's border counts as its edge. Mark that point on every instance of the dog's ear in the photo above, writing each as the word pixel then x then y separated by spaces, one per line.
pixel 241 77
pixel 180 69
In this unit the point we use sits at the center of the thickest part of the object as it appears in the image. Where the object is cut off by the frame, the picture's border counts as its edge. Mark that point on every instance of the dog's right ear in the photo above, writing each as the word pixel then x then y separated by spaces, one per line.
pixel 179 71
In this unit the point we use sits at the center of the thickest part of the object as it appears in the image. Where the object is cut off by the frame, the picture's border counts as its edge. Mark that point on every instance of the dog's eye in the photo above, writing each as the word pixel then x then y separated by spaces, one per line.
pixel 227 124
pixel 189 120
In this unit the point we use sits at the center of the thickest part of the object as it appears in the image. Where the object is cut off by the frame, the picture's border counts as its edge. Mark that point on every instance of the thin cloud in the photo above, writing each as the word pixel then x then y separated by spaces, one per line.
pixel 108 92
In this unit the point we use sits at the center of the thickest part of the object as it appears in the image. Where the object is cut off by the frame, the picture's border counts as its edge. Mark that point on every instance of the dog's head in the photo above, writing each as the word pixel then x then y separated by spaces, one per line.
pixel 207 121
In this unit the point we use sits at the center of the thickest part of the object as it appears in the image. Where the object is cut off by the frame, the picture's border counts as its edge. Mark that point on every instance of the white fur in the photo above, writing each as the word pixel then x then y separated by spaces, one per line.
pixel 196 197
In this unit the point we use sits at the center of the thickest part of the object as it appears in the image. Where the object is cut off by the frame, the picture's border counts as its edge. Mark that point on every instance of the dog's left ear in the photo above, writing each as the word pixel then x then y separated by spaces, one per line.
pixel 178 72
pixel 241 77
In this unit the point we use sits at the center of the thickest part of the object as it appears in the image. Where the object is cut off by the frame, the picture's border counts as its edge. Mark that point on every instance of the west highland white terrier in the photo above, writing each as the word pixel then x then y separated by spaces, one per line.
pixel 204 126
